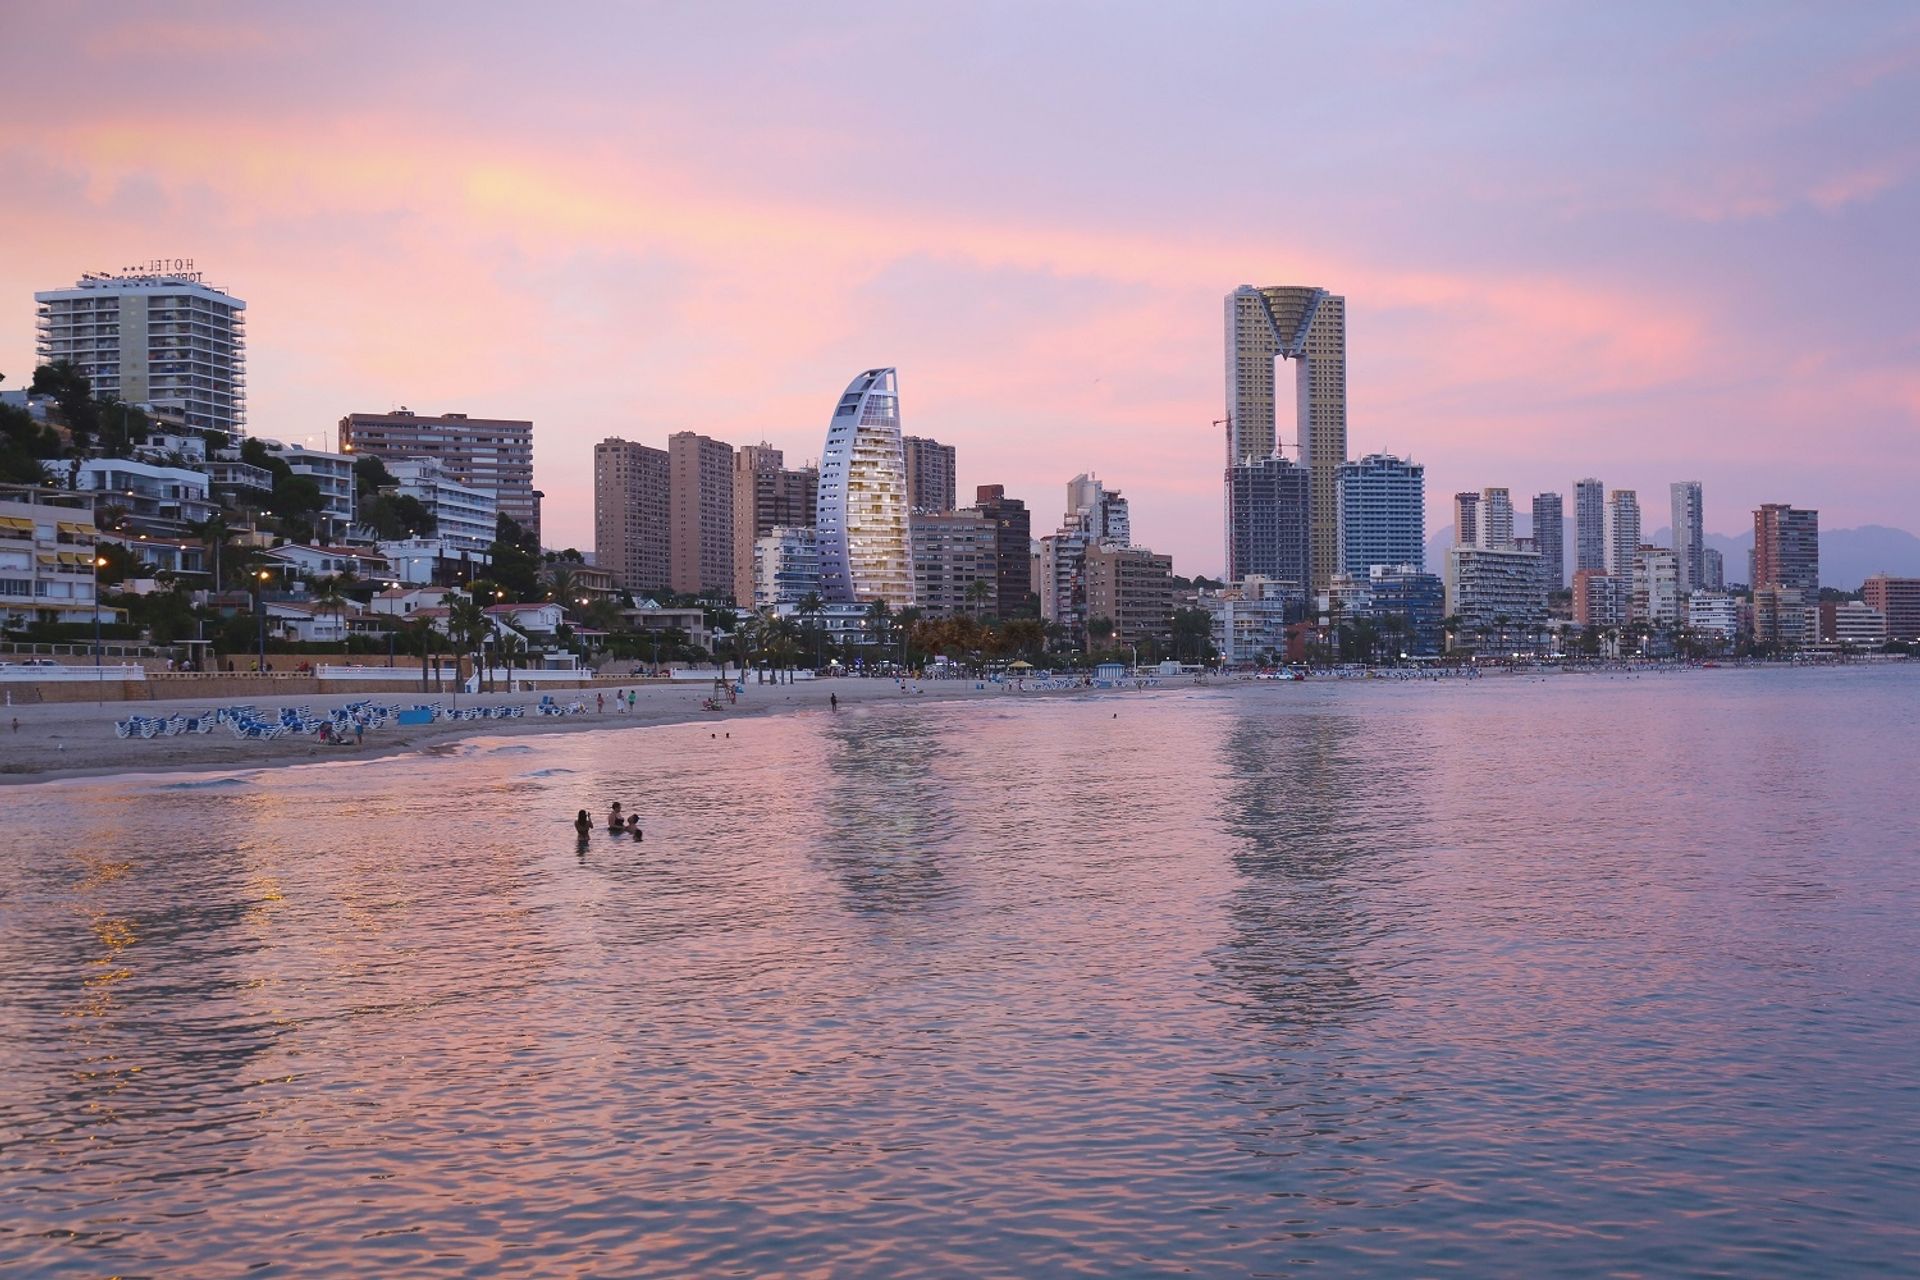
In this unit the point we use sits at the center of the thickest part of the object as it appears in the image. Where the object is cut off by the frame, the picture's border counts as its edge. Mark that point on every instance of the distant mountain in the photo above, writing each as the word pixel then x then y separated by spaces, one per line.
pixel 1848 557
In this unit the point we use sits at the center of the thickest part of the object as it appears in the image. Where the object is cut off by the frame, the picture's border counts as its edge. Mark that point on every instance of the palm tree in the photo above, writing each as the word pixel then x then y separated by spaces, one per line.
pixel 905 620
pixel 513 646
pixel 811 606
pixel 469 626
pixel 428 640
pixel 215 534
pixel 330 598
pixel 979 591
pixel 561 583
pixel 880 624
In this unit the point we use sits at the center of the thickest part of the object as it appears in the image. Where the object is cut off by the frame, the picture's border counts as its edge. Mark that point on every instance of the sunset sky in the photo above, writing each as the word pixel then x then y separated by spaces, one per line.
pixel 1645 243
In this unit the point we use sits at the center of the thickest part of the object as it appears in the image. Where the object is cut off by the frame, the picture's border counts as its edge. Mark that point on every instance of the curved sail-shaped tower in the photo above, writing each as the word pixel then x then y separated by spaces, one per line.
pixel 865 551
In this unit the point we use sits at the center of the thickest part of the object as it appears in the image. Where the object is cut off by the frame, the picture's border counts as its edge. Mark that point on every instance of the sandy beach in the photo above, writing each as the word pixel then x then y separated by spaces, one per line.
pixel 59 740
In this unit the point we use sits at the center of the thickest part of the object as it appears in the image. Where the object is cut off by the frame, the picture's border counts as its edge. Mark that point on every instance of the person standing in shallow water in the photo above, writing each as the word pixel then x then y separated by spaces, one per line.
pixel 833 700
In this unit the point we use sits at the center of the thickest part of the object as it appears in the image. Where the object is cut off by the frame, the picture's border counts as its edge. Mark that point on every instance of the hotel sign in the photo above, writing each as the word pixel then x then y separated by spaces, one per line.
pixel 152 272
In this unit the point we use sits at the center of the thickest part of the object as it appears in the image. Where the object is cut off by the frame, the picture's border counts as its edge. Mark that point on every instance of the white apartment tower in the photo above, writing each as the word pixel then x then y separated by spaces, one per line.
pixel 1308 327
pixel 866 549
pixel 1623 538
pixel 155 334
pixel 1496 520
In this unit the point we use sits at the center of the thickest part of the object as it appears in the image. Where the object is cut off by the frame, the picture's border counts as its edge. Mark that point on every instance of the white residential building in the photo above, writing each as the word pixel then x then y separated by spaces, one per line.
pixel 786 566
pixel 1623 537
pixel 332 472
pixel 47 549
pixel 1247 629
pixel 1496 520
pixel 465 517
pixel 154 334
pixel 1656 586
pixel 151 499
pixel 1714 613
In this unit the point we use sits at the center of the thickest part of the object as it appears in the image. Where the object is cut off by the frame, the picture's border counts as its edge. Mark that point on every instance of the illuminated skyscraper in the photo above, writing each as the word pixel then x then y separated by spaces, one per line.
pixel 866 550
pixel 1307 326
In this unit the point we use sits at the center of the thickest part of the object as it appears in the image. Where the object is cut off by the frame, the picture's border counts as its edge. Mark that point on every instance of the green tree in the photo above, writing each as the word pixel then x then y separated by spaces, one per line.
pixel 72 394
pixel 516 560
pixel 370 475
pixel 467 623
pixel 121 564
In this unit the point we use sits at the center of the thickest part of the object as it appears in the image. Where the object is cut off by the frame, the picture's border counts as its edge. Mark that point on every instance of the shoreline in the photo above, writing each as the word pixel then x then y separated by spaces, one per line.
pixel 59 742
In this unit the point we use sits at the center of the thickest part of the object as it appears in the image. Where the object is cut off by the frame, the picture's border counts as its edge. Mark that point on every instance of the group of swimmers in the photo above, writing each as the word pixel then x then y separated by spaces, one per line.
pixel 617 823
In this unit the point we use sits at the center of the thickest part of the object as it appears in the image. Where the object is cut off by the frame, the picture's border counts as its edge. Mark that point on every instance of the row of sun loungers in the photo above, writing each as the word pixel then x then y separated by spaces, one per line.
pixel 250 722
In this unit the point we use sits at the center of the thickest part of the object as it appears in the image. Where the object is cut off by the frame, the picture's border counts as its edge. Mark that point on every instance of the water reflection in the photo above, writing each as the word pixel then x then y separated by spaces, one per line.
pixel 888 814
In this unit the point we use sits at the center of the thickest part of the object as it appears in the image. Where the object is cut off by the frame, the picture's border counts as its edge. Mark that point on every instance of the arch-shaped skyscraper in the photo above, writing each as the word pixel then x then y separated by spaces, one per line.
pixel 865 550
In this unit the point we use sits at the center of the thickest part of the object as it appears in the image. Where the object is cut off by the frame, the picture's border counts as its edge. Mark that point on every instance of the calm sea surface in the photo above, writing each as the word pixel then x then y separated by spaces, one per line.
pixel 1564 976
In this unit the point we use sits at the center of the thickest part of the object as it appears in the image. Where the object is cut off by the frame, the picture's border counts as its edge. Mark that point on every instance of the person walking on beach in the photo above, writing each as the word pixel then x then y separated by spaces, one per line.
pixel 600 703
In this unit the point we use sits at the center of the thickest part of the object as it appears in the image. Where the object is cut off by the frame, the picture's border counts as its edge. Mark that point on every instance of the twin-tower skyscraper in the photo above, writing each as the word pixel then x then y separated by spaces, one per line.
pixel 1305 327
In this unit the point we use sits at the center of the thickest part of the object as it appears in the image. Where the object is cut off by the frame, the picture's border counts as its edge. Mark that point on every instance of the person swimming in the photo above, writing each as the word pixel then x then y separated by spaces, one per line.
pixel 633 827
pixel 616 821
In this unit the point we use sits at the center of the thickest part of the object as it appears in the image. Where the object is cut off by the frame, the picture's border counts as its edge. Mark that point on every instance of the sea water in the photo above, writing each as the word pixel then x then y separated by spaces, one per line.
pixel 1556 976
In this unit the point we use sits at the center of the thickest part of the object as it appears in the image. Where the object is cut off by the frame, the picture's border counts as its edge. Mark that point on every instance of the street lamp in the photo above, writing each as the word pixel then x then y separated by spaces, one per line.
pixel 99 563
pixel 260 607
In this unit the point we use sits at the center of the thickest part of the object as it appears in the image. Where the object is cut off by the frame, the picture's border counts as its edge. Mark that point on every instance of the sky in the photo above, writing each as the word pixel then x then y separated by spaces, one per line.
pixel 1639 242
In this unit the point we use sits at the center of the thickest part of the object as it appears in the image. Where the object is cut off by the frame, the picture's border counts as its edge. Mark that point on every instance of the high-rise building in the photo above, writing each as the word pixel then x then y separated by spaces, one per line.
pixel 1623 538
pixel 699 514
pixel 1383 514
pixel 155 334
pixel 1466 519
pixel 1496 520
pixel 1269 503
pixel 1656 585
pixel 766 495
pixel 1013 537
pixel 485 453
pixel 1713 570
pixel 1550 539
pixel 1063 581
pixel 930 474
pixel 1786 574
pixel 1898 601
pixel 952 552
pixel 1689 534
pixel 1307 326
pixel 866 551
pixel 1786 548
pixel 1097 511
pixel 630 502
pixel 1589 524
pixel 1132 588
